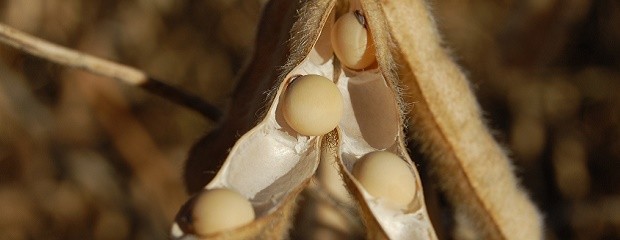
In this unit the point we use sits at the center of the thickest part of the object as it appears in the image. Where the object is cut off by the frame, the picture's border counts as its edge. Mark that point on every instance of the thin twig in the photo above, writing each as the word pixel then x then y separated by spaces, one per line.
pixel 126 74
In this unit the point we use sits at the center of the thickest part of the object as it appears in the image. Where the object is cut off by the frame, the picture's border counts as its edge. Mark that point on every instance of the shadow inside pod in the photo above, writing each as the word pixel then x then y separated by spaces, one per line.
pixel 375 109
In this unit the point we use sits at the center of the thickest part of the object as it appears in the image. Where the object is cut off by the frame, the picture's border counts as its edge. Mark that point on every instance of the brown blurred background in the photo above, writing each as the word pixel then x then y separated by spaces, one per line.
pixel 85 157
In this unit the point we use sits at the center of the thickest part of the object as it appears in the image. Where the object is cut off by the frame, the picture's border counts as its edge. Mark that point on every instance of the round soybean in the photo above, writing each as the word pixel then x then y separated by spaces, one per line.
pixel 218 210
pixel 385 175
pixel 352 43
pixel 312 105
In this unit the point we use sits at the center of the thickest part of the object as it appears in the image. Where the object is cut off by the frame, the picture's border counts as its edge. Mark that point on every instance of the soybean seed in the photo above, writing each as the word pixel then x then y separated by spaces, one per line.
pixel 352 42
pixel 219 210
pixel 312 105
pixel 385 175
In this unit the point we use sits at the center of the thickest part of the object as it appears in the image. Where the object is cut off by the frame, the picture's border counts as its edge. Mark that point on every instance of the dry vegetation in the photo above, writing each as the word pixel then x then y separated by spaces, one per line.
pixel 85 157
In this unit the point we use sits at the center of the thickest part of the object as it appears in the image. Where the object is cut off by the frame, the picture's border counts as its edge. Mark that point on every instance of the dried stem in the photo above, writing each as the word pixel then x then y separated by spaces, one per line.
pixel 155 174
pixel 126 74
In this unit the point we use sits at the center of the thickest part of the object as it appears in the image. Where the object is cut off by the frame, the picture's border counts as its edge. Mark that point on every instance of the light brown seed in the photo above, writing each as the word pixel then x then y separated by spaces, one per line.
pixel 312 105
pixel 386 176
pixel 219 210
pixel 352 42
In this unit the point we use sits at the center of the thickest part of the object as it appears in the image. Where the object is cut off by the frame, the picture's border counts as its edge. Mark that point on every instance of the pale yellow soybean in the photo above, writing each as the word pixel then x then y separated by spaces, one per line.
pixel 352 42
pixel 312 105
pixel 386 176
pixel 220 210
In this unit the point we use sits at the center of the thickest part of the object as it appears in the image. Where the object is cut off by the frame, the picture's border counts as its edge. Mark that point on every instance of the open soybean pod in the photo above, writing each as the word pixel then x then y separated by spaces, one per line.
pixel 272 163
pixel 395 39
pixel 373 122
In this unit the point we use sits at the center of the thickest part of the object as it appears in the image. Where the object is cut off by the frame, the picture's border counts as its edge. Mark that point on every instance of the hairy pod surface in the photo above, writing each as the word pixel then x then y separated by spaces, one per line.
pixel 469 165
pixel 372 122
pixel 273 162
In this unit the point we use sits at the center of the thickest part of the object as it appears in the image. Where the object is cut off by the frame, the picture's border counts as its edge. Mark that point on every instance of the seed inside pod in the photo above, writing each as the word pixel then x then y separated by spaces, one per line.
pixel 312 105
pixel 351 41
pixel 385 175
pixel 218 210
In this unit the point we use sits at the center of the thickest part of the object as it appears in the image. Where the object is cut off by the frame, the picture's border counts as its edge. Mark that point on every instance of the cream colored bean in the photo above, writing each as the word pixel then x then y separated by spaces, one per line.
pixel 220 210
pixel 385 175
pixel 312 105
pixel 352 43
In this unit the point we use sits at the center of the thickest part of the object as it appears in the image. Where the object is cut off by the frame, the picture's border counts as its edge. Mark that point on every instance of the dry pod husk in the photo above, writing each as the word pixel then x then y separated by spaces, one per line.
pixel 373 122
pixel 470 166
pixel 273 163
